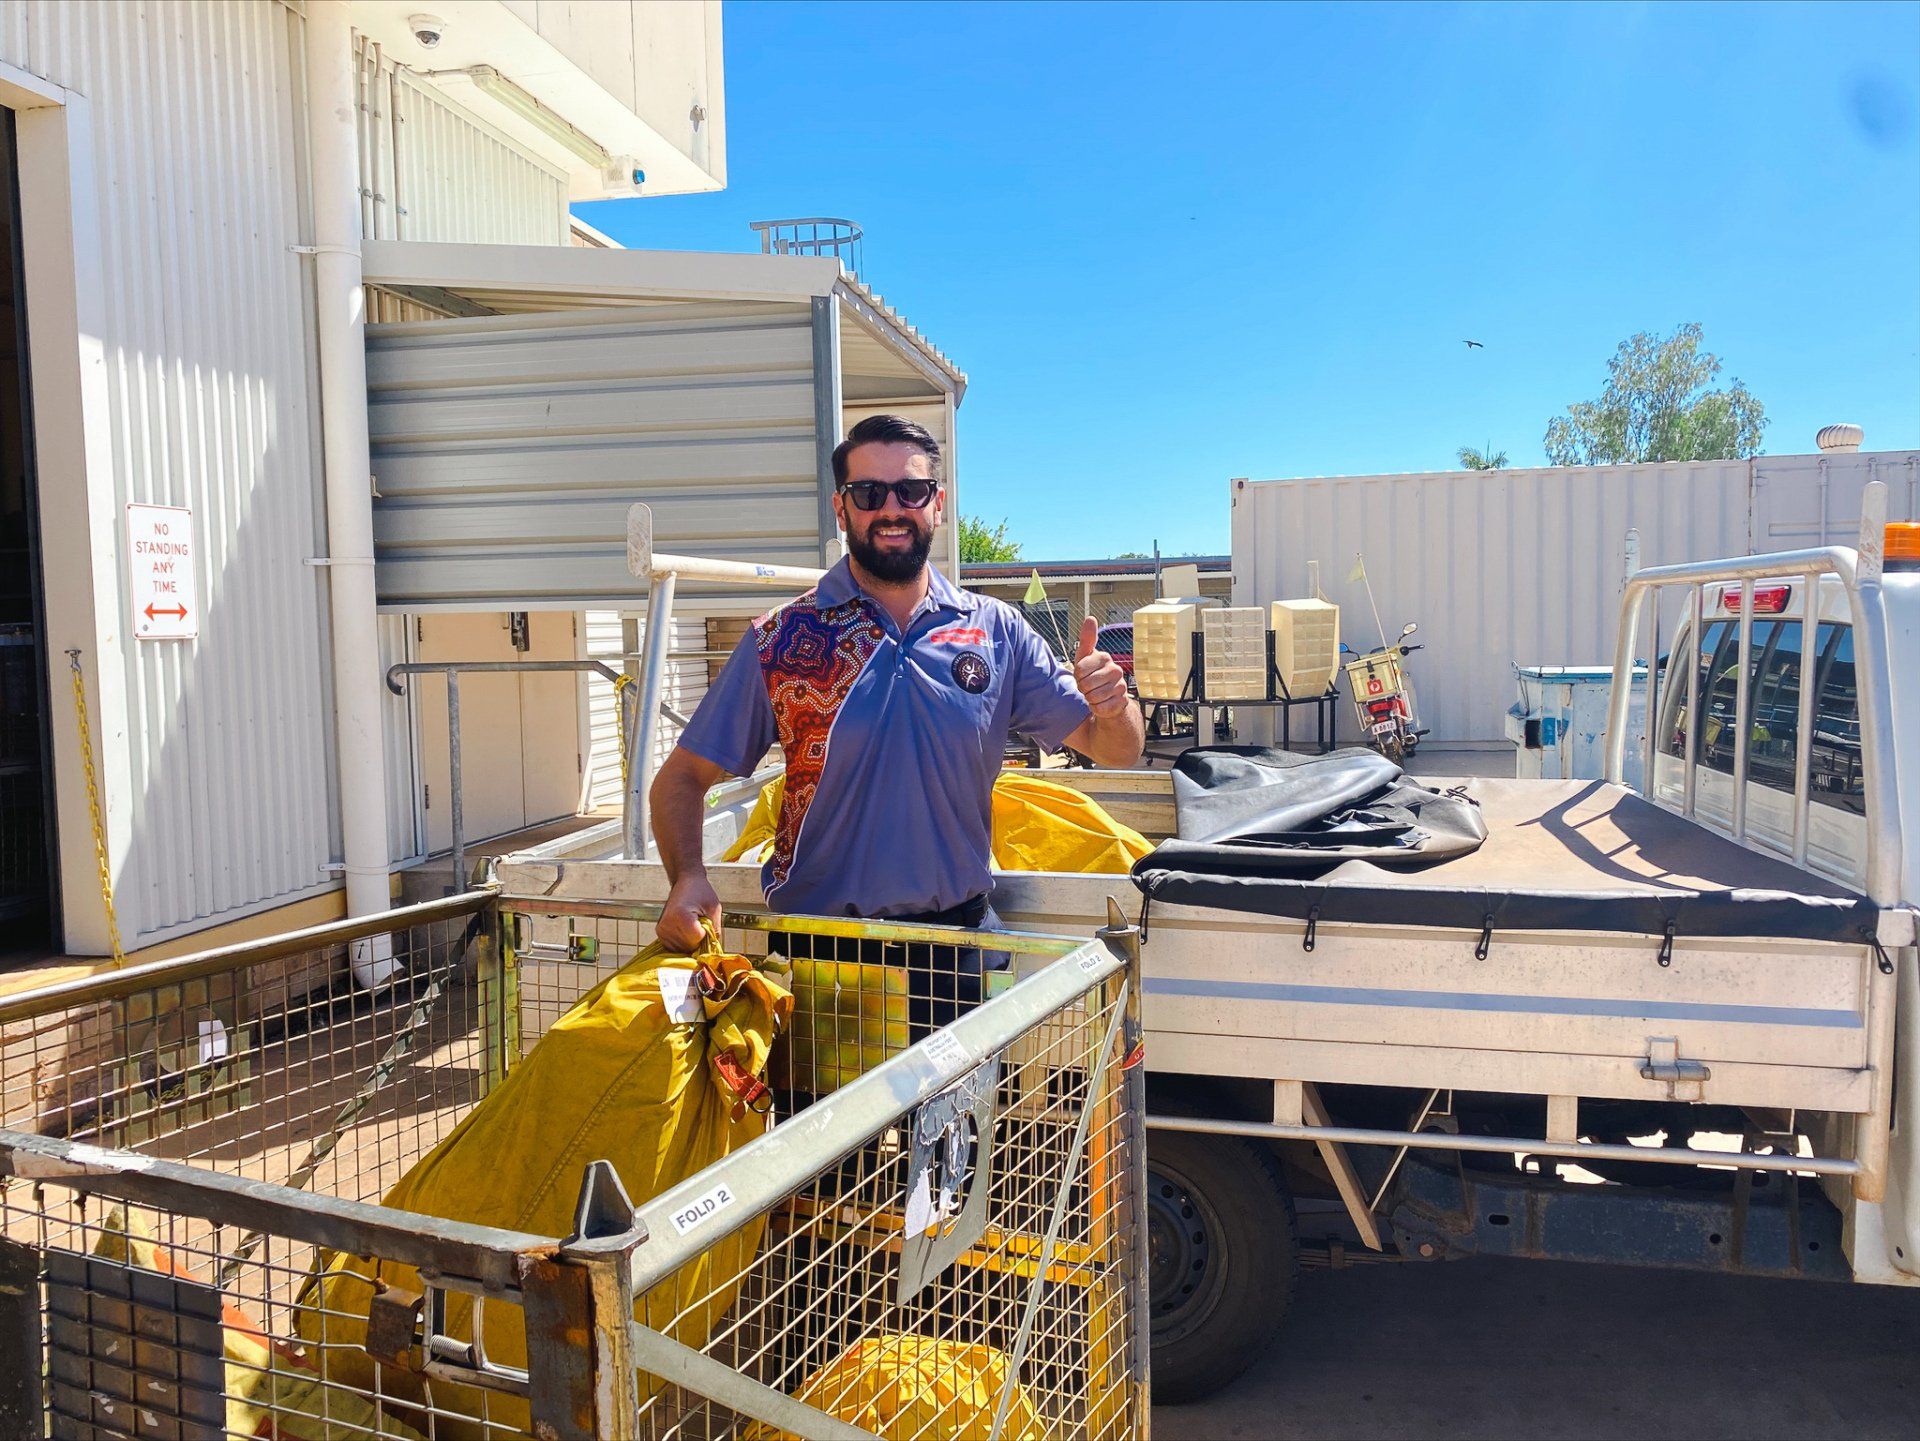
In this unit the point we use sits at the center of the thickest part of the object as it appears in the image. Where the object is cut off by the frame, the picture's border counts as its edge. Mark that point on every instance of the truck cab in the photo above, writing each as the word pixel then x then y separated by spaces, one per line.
pixel 1779 664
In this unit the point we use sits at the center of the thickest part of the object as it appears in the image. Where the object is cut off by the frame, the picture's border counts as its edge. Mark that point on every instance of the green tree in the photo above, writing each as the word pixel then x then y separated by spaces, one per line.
pixel 1487 459
pixel 982 542
pixel 1133 555
pixel 1658 406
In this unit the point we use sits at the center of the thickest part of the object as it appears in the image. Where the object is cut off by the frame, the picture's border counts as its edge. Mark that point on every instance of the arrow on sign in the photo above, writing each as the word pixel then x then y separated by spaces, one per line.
pixel 179 612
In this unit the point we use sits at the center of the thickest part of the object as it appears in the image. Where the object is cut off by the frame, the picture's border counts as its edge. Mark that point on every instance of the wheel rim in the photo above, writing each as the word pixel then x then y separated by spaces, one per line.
pixel 1184 1262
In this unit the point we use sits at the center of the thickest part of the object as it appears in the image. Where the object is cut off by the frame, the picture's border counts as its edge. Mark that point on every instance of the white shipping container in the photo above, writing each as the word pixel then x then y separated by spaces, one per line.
pixel 1525 567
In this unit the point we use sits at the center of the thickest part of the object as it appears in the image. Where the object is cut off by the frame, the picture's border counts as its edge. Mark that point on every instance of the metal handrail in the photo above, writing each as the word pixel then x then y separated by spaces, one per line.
pixel 488 1254
pixel 221 960
pixel 453 670
pixel 826 235
pixel 1019 943
pixel 1859 574
pixel 663 573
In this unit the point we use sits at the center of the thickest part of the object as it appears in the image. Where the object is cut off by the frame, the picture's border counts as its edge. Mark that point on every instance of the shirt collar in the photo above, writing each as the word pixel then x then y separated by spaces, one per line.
pixel 838 586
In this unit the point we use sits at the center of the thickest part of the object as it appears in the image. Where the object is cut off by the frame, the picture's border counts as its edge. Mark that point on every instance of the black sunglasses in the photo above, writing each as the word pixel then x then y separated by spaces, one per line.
pixel 872 494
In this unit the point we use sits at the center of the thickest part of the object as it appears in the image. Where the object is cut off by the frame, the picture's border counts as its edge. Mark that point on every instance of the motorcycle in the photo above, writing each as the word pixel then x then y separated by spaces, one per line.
pixel 1382 694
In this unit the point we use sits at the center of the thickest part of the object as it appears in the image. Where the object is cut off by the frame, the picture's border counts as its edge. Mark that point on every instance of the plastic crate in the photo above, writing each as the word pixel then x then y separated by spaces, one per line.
pixel 1163 646
pixel 1306 645
pixel 1235 665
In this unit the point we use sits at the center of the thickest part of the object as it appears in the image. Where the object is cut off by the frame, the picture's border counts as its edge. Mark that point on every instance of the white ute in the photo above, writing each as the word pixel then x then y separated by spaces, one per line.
pixel 1715 1094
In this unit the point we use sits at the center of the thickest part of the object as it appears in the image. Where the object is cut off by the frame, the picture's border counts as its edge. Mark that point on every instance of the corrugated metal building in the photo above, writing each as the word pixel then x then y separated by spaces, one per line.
pixel 162 158
pixel 1525 567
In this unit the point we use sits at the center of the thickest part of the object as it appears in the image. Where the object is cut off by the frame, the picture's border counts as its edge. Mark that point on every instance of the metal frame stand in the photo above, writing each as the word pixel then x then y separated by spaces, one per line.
pixel 1194 693
pixel 663 574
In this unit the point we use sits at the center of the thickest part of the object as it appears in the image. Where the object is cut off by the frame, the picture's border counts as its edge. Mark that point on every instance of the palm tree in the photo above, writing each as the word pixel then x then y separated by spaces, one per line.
pixel 1487 459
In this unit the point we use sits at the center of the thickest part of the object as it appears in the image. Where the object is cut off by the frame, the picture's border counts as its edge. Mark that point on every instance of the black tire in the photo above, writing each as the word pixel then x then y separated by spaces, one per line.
pixel 1223 1248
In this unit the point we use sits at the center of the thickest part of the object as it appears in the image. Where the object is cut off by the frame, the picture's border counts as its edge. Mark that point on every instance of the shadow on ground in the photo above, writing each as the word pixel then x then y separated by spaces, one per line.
pixel 1490 1348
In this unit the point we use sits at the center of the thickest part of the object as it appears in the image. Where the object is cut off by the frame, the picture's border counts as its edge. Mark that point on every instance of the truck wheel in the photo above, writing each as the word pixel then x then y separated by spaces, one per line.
pixel 1222 1255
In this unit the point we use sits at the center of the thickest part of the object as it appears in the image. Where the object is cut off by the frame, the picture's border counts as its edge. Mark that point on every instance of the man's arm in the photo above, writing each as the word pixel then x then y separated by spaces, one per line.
pixel 679 806
pixel 729 732
pixel 1114 735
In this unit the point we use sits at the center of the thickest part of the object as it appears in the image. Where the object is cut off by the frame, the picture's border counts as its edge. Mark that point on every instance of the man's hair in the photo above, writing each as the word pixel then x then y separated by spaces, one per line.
pixel 885 430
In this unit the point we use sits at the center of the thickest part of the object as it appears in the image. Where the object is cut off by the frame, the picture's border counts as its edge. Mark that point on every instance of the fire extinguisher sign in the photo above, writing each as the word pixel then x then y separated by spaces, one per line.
pixel 160 560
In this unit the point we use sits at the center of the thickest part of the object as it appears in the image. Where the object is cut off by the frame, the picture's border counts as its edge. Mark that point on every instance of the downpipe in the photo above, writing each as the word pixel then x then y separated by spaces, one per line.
pixel 340 322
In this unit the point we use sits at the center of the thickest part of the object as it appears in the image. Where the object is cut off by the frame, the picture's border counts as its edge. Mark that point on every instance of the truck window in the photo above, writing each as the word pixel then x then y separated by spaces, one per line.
pixel 1837 777
pixel 1774 709
pixel 1719 635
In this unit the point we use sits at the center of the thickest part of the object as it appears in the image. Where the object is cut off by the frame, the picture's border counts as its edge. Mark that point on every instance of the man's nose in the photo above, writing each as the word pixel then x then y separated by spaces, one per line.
pixel 890 506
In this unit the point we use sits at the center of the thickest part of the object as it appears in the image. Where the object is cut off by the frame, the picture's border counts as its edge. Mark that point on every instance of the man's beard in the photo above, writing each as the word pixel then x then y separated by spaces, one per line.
pixel 893 567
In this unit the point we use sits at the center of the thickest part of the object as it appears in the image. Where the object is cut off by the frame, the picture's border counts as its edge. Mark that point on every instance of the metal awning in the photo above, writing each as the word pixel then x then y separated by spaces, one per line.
pixel 520 398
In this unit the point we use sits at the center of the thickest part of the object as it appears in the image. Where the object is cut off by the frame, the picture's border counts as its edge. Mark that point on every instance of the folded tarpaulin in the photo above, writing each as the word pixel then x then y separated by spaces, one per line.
pixel 1276 810
pixel 1348 838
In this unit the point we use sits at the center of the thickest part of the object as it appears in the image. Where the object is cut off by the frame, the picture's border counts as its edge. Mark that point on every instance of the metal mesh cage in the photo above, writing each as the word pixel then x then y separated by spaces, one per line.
pixel 937 1230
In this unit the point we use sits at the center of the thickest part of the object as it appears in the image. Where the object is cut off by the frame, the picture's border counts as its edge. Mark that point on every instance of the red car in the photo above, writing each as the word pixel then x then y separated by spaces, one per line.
pixel 1117 641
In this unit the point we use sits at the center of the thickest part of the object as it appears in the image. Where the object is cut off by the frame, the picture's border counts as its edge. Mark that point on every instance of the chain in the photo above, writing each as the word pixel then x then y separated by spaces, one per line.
pixel 620 685
pixel 93 805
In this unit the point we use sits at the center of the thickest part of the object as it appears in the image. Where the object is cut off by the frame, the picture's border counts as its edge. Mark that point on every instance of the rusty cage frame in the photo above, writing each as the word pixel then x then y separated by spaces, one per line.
pixel 182 1143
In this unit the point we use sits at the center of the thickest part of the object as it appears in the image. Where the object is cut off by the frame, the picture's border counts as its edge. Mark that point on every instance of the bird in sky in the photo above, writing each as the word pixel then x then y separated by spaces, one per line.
pixel 1473 345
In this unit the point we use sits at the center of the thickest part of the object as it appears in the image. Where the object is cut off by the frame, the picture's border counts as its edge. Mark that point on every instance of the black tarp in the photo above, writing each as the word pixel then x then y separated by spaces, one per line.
pixel 1348 837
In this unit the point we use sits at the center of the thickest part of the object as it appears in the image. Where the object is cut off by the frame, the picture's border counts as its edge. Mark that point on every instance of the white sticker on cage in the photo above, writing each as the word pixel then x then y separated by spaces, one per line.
pixel 213 1041
pixel 678 994
pixel 702 1209
pixel 919 1218
pixel 1090 962
pixel 946 1051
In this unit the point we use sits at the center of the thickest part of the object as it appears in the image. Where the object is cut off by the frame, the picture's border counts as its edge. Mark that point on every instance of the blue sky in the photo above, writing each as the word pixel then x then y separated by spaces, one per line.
pixel 1171 245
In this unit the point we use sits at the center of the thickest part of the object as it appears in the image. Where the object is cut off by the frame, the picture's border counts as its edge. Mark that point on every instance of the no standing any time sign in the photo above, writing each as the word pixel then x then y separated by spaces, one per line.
pixel 160 558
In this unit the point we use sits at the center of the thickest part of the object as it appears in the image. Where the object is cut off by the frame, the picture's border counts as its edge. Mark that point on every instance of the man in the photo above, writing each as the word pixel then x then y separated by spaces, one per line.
pixel 891 693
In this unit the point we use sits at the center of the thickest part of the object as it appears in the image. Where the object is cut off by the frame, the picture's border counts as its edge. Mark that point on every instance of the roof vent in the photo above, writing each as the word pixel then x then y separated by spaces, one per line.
pixel 1839 437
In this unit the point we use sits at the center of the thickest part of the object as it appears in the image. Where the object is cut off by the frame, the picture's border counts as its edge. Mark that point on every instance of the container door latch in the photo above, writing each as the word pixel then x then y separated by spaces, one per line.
pixel 1685 1080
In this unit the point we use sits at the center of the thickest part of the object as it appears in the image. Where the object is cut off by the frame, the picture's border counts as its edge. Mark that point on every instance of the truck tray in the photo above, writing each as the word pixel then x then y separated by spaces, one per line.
pixel 1559 856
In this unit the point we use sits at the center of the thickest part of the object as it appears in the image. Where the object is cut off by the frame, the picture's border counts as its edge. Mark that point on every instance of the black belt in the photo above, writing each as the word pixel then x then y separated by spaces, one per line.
pixel 967 915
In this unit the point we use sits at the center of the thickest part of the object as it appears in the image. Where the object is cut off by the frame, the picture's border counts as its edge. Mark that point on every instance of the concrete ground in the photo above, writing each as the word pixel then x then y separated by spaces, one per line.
pixel 1497 1348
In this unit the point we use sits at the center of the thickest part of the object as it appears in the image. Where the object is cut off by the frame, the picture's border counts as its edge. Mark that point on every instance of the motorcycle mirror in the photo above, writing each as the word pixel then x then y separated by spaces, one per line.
pixel 1411 628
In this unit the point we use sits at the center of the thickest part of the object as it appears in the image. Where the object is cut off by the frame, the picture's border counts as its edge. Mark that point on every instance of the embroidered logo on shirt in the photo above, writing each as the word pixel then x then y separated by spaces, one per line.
pixel 957 635
pixel 971 672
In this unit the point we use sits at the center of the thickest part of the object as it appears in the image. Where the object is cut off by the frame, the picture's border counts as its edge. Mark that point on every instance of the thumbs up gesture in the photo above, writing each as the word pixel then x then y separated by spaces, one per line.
pixel 1097 675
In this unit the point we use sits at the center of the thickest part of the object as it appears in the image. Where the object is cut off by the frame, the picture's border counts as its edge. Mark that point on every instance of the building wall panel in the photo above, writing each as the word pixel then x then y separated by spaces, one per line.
pixel 223 775
pixel 602 633
pixel 455 178
pixel 508 448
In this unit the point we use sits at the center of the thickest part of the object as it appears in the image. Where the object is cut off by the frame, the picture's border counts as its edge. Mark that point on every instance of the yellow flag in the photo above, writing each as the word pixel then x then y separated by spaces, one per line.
pixel 1036 592
pixel 1359 571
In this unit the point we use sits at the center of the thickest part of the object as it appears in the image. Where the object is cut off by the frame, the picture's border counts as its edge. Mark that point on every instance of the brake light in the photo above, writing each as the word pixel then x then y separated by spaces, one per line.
pixel 1903 545
pixel 1767 599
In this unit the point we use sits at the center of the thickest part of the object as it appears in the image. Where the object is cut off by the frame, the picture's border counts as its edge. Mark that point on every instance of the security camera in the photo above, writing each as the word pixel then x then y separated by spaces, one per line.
pixel 427 30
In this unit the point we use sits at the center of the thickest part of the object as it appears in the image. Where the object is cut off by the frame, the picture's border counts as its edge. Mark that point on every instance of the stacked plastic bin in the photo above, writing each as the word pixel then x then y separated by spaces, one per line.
pixel 1306 645
pixel 1163 646
pixel 1236 653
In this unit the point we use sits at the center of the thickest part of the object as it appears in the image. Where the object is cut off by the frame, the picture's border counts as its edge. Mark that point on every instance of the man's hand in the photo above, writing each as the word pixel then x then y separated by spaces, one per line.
pixel 1101 681
pixel 691 898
